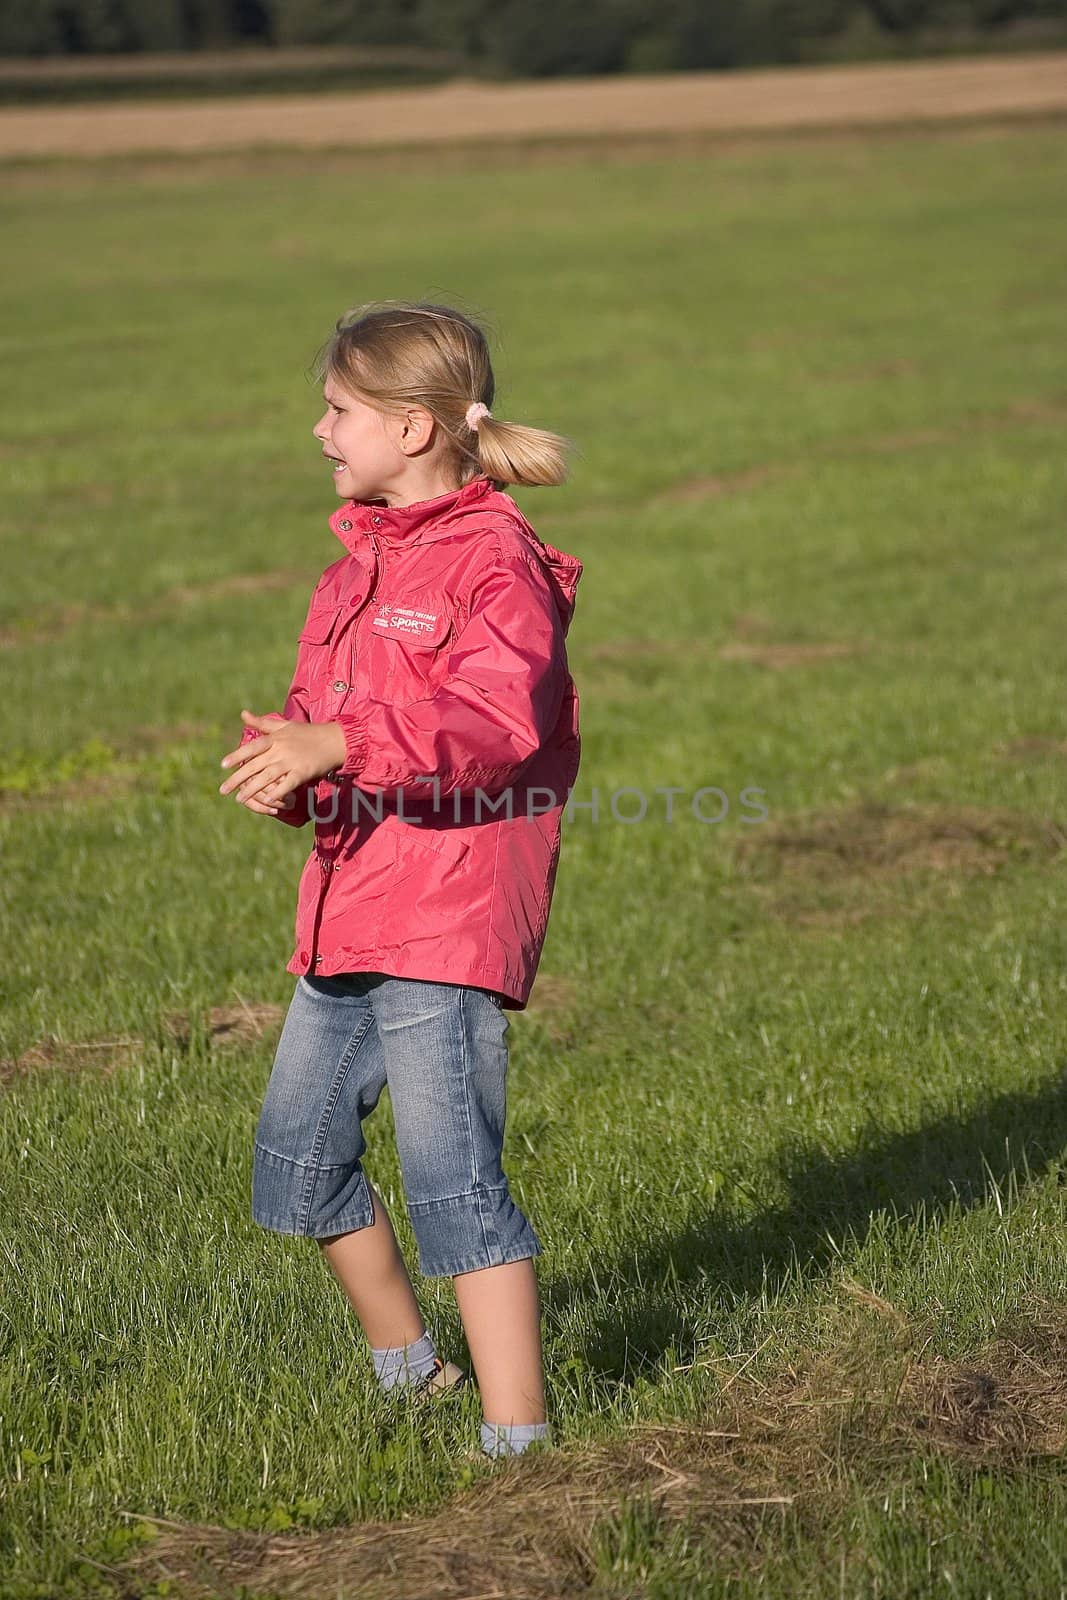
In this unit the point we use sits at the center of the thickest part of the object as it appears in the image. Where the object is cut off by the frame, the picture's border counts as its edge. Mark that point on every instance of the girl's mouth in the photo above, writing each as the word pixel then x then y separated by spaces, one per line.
pixel 339 465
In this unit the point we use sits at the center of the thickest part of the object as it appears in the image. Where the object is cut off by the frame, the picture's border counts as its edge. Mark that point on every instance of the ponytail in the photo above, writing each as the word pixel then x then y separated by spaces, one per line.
pixel 513 452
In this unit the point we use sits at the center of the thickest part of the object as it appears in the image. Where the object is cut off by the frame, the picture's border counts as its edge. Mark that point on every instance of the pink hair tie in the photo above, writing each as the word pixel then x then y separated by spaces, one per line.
pixel 475 412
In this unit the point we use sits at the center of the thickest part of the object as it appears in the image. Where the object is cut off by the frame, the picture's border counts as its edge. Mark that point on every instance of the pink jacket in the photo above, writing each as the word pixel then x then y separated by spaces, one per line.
pixel 437 643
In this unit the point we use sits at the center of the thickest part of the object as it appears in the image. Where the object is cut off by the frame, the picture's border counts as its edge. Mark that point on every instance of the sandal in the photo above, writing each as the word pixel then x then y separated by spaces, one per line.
pixel 444 1379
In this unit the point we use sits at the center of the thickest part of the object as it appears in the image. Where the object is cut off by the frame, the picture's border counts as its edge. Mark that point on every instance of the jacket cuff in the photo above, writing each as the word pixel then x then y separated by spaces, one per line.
pixel 298 813
pixel 253 733
pixel 354 730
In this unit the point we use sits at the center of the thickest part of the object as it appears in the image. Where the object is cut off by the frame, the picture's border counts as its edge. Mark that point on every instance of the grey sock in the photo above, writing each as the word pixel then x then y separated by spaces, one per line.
pixel 405 1363
pixel 511 1438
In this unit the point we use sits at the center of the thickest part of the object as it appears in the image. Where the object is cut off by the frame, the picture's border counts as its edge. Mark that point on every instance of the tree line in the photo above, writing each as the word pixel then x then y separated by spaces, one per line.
pixel 524 37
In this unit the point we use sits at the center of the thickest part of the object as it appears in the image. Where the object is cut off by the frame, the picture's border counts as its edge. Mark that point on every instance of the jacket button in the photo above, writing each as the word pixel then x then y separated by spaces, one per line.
pixel 344 525
pixel 339 686
pixel 377 521
pixel 317 960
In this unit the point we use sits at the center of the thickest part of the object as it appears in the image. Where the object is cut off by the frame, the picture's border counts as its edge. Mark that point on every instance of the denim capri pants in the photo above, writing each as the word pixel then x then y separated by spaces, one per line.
pixel 441 1048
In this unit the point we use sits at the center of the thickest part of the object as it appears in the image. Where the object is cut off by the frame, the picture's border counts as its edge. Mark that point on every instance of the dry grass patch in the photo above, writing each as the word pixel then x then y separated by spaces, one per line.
pixel 1020 413
pixel 50 625
pixel 750 645
pixel 894 367
pixel 828 871
pixel 921 771
pixel 237 583
pixel 627 649
pixel 56 622
pixel 71 792
pixel 1032 744
pixel 752 624
pixel 98 494
pixel 244 1023
pixel 713 485
pixel 553 1002
pixel 144 736
pixel 784 654
pixel 104 769
pixel 795 1449
pixel 101 1056
pixel 876 840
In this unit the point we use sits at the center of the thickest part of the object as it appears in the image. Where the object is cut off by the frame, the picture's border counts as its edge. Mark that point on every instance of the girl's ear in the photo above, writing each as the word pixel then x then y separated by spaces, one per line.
pixel 416 427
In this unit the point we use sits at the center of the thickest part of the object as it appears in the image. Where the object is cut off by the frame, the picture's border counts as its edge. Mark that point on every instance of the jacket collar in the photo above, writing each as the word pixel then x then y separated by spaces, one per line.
pixel 355 519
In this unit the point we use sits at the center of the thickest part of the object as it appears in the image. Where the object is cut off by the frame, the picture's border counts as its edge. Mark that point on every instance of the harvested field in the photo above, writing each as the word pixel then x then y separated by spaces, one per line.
pixel 608 108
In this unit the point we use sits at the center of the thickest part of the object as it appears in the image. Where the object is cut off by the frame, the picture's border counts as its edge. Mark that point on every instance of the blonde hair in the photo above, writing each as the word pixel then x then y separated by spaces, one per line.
pixel 393 353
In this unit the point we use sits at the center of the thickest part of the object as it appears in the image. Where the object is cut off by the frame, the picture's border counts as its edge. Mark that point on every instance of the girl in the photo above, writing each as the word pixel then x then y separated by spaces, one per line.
pixel 431 734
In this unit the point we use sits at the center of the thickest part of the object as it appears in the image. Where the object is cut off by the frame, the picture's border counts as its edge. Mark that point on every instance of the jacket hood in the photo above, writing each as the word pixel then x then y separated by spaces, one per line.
pixel 477 501
pixel 564 570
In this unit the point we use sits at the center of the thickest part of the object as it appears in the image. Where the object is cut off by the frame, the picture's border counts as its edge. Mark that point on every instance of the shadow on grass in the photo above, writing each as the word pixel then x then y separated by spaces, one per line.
pixel 954 1163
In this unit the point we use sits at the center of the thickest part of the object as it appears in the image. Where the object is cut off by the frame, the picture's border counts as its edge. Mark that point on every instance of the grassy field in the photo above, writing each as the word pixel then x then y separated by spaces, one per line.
pixel 788 1107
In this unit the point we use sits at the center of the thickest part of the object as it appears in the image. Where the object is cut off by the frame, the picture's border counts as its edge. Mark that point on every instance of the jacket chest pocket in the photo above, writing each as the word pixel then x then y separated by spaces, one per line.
pixel 325 660
pixel 407 646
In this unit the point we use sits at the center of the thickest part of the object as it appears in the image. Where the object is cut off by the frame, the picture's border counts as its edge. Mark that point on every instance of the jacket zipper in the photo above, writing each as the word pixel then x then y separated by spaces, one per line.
pixel 377 566
pixel 352 649
pixel 370 602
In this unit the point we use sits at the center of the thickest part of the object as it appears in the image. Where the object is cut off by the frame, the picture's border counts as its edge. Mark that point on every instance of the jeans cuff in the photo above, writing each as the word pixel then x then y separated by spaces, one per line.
pixel 467 1232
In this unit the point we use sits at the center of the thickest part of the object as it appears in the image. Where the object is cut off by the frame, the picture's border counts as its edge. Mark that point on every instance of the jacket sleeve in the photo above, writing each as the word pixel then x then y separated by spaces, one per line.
pixel 499 702
pixel 296 710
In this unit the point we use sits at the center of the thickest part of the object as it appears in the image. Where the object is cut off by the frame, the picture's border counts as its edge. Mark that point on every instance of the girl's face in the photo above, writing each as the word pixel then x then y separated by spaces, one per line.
pixel 358 438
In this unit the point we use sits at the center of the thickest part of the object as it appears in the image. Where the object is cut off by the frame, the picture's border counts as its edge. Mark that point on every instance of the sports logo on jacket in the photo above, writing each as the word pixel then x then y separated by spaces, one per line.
pixel 406 621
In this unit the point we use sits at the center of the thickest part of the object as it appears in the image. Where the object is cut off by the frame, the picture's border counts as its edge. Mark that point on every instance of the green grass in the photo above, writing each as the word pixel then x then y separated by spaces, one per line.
pixel 770 1079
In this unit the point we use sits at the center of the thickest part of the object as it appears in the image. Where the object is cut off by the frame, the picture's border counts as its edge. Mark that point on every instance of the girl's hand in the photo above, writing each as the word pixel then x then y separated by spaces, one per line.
pixel 285 757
